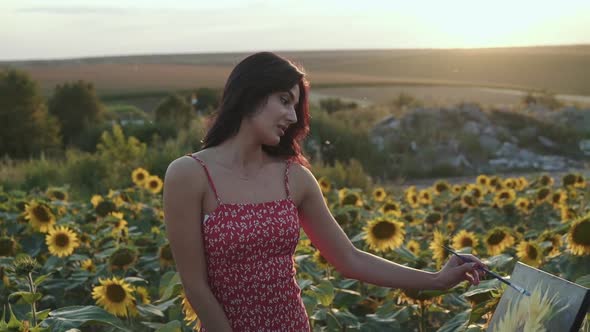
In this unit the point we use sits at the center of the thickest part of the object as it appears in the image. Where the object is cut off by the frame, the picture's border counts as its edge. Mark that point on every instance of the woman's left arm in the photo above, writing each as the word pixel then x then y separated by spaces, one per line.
pixel 335 246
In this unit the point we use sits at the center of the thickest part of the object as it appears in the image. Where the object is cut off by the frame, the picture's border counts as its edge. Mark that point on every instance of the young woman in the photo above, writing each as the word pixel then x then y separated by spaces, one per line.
pixel 234 210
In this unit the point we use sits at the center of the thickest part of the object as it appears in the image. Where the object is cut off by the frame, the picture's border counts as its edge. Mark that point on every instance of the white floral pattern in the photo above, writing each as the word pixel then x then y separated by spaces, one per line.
pixel 249 250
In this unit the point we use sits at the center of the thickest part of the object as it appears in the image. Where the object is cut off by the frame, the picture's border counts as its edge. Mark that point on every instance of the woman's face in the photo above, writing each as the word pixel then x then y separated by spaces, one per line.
pixel 272 118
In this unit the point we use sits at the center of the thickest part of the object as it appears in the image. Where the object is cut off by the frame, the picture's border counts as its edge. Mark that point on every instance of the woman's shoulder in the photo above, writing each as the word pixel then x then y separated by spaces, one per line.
pixel 185 169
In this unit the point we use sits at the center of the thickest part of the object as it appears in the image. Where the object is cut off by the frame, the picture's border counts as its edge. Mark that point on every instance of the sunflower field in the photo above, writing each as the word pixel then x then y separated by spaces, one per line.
pixel 105 264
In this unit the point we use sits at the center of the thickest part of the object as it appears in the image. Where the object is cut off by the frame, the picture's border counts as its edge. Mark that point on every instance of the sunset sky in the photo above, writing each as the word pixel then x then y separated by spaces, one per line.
pixel 67 29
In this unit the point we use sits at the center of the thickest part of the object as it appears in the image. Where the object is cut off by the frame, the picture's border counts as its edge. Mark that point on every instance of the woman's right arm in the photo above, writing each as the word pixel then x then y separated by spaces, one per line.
pixel 184 185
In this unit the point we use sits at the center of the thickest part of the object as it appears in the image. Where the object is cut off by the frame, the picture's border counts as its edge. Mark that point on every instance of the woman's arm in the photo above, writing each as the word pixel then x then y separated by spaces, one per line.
pixel 334 245
pixel 184 185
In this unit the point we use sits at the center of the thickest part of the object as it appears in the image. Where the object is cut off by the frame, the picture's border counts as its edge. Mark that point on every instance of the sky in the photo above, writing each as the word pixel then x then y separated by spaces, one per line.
pixel 64 29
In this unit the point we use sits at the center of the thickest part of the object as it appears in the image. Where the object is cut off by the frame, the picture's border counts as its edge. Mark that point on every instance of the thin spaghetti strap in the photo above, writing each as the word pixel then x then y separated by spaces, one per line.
pixel 287 180
pixel 208 176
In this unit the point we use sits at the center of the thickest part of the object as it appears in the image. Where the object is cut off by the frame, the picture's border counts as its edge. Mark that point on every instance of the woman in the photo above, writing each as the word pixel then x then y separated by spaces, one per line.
pixel 234 209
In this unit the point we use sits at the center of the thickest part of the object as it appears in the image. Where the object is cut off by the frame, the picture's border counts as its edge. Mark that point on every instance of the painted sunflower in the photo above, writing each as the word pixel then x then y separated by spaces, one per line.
pixel 384 233
pixel 61 241
pixel 529 252
pixel 40 216
pixel 578 237
pixel 114 295
pixel 139 176
pixel 497 240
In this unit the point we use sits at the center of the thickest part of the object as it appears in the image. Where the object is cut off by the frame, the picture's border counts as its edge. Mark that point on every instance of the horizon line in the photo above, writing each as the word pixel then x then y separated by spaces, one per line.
pixel 140 54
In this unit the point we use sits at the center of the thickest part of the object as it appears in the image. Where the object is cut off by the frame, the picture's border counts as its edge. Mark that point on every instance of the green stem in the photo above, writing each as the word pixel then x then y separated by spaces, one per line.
pixel 422 313
pixel 33 290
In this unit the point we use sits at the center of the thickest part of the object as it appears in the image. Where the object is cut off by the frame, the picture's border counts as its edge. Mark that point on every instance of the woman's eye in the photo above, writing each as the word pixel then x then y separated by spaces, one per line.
pixel 284 100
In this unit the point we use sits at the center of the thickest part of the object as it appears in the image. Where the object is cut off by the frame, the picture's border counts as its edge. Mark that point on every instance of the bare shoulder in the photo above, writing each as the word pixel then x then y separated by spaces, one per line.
pixel 302 182
pixel 185 171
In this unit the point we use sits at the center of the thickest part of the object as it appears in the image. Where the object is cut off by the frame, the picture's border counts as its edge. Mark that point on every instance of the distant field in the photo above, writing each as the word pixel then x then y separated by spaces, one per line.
pixel 563 70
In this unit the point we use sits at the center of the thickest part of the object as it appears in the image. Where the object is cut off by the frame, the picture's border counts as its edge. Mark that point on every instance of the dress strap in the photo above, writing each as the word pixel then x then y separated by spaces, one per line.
pixel 208 176
pixel 287 179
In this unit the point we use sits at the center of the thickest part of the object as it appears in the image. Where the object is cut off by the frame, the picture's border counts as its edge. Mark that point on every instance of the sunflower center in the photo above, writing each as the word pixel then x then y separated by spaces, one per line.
pixel 116 293
pixel 62 240
pixel 384 230
pixel 543 194
pixel 433 218
pixel 390 207
pixel 581 235
pixel 504 196
pixel 349 200
pixel 140 176
pixel 154 184
pixel 569 179
pixel 496 237
pixel 41 213
pixel 531 252
pixel 466 242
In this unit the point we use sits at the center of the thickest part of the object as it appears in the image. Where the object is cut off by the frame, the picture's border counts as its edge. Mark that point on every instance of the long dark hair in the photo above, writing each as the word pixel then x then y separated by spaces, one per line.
pixel 250 83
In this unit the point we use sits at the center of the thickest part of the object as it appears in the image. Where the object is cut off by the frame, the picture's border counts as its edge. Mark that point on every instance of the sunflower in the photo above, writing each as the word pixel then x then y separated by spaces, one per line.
pixel 580 182
pixel 61 241
pixel 504 197
pixel 555 240
pixel 542 195
pixel 348 197
pixel 529 252
pixel 384 233
pixel 524 205
pixel 190 316
pixel 450 226
pixel 425 197
pixel 153 184
pixel 7 246
pixel 143 294
pixel 441 186
pixel 578 237
pixel 122 258
pixel 114 295
pixel 56 194
pixel 117 197
pixel 391 207
pixel 567 214
pixel 40 216
pixel 465 239
pixel 495 183
pixel 456 189
pixel 411 219
pixel 469 201
pixel 379 194
pixel 320 261
pixel 165 255
pixel 475 190
pixel 88 265
pixel 546 181
pixel 104 208
pixel 139 176
pixel 414 247
pixel 325 185
pixel 569 180
pixel 433 218
pixel 412 199
pixel 510 183
pixel 522 183
pixel 95 200
pixel 438 251
pixel 497 240
pixel 483 180
pixel 558 198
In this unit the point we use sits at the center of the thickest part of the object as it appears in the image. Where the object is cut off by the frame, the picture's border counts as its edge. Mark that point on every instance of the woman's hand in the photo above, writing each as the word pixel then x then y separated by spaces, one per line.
pixel 456 270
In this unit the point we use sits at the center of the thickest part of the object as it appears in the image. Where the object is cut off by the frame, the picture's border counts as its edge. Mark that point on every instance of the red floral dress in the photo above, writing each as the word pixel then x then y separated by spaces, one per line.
pixel 249 251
